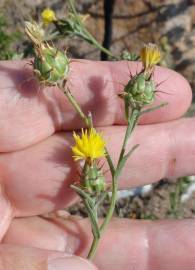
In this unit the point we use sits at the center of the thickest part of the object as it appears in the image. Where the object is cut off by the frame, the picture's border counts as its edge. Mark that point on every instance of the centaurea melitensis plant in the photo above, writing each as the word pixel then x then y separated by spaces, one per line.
pixel 51 67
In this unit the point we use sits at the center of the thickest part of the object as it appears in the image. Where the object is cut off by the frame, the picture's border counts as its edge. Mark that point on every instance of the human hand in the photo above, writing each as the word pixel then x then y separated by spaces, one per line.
pixel 37 169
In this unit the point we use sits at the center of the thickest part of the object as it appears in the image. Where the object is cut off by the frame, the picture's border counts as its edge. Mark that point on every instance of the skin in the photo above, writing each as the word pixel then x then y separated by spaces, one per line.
pixel 36 170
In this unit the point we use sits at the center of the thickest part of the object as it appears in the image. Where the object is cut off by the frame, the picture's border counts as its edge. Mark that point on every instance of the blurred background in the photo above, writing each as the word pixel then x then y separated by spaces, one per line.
pixel 121 25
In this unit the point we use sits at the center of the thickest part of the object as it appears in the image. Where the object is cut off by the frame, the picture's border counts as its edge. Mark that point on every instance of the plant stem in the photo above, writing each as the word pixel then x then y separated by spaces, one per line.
pixel 112 204
pixel 132 120
pixel 99 46
pixel 131 124
pixel 91 210
pixel 87 35
pixel 93 248
pixel 94 220
pixel 74 103
pixel 95 242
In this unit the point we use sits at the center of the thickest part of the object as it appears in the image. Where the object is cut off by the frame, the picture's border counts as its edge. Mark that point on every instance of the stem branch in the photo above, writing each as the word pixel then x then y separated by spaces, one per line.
pixel 74 103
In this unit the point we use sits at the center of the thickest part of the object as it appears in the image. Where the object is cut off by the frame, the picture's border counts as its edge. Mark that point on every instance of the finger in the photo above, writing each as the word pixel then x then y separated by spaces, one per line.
pixel 42 233
pixel 22 258
pixel 143 245
pixel 35 113
pixel 37 179
pixel 5 213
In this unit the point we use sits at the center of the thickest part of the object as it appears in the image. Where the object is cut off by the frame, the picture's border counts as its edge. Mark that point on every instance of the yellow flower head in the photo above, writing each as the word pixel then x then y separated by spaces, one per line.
pixel 150 55
pixel 48 16
pixel 90 145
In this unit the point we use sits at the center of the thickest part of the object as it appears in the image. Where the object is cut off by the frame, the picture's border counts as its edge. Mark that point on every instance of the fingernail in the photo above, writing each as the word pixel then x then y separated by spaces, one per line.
pixel 70 262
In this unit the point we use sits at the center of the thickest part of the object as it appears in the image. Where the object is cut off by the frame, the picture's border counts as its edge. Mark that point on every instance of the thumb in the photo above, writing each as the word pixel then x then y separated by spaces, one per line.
pixel 5 213
pixel 22 258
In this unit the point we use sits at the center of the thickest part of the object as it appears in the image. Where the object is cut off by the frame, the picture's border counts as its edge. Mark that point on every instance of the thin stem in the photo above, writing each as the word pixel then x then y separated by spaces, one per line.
pixel 132 120
pixel 93 248
pixel 131 124
pixel 96 239
pixel 99 46
pixel 110 163
pixel 154 108
pixel 91 210
pixel 72 6
pixel 74 103
pixel 93 217
pixel 112 205
pixel 86 34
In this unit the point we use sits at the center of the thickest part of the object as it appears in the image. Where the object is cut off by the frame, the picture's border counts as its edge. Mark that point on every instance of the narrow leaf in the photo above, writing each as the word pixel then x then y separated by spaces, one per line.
pixel 124 159
pixel 95 228
pixel 154 108
pixel 89 204
pixel 83 195
pixel 110 163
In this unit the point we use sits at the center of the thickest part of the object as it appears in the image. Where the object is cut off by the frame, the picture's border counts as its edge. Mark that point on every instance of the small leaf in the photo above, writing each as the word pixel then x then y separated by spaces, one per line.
pixel 154 108
pixel 94 224
pixel 110 163
pixel 83 195
pixel 124 159
pixel 90 207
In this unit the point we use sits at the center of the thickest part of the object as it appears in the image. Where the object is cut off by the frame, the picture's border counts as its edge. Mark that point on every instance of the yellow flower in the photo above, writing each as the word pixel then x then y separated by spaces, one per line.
pixel 90 145
pixel 150 55
pixel 48 16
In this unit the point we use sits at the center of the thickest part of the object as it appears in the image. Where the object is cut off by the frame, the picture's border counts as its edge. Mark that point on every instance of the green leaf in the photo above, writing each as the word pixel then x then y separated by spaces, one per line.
pixel 110 163
pixel 95 228
pixel 154 108
pixel 83 195
pixel 103 195
pixel 90 207
pixel 124 159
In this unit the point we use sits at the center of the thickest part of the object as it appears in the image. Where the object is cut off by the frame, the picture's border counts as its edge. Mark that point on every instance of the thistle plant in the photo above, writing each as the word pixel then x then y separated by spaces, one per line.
pixel 90 147
pixel 48 16
pixel 73 25
pixel 139 91
pixel 51 67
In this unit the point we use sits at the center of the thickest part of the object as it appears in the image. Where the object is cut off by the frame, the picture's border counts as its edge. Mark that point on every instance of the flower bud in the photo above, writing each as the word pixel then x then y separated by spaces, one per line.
pixel 150 56
pixel 48 16
pixel 93 179
pixel 50 65
pixel 34 32
pixel 138 92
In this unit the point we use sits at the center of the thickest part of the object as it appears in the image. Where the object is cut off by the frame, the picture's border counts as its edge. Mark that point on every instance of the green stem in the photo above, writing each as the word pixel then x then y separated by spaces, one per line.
pixel 132 120
pixel 86 34
pixel 106 220
pixel 72 6
pixel 131 124
pixel 91 210
pixel 99 46
pixel 93 217
pixel 75 104
pixel 93 248
pixel 112 205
